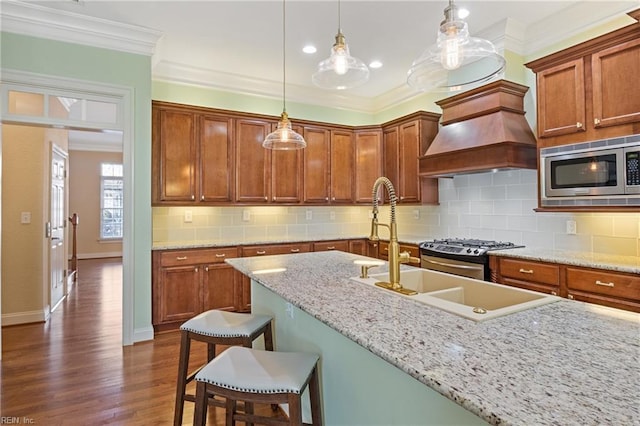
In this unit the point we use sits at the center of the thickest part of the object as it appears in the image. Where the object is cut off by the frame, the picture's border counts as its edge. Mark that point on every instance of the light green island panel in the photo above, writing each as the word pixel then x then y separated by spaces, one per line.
pixel 358 387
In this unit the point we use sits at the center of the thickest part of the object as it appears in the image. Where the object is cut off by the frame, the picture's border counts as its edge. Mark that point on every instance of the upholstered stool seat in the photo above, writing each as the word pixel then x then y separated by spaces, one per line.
pixel 256 376
pixel 216 327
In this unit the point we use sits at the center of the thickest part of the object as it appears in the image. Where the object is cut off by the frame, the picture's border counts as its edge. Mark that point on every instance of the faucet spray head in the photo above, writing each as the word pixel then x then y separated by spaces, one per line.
pixel 373 236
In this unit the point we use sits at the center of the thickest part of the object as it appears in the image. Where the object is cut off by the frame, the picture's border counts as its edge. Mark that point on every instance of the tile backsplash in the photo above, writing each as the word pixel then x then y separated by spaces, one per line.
pixel 493 206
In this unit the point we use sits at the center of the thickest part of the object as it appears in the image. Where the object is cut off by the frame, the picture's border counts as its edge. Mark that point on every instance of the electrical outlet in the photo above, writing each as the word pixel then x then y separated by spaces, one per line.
pixel 289 310
pixel 188 216
pixel 416 214
pixel 332 215
pixel 246 215
pixel 309 215
pixel 571 227
pixel 25 217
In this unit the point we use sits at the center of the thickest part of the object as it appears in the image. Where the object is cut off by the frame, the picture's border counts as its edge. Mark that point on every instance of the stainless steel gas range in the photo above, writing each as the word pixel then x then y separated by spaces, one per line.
pixel 460 256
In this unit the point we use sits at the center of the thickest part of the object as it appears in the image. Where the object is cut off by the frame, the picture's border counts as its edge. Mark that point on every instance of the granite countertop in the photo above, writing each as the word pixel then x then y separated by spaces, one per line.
pixel 173 245
pixel 629 264
pixel 564 363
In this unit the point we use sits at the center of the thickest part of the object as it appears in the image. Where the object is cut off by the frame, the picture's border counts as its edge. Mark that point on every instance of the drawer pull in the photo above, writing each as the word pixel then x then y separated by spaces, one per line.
pixel 598 282
pixel 553 293
pixel 571 297
pixel 220 255
pixel 261 252
pixel 386 249
pixel 181 258
pixel 596 121
pixel 526 271
pixel 579 125
pixel 295 250
pixel 331 248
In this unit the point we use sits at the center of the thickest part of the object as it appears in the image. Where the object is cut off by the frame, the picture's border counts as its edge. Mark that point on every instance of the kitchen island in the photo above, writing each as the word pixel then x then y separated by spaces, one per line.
pixel 386 359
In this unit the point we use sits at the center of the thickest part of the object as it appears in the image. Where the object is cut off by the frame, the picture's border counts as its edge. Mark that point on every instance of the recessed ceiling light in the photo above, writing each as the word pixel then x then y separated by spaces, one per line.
pixel 463 13
pixel 309 49
pixel 375 64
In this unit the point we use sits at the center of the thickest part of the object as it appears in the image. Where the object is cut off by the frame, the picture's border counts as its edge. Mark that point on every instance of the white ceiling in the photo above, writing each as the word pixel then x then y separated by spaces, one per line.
pixel 237 45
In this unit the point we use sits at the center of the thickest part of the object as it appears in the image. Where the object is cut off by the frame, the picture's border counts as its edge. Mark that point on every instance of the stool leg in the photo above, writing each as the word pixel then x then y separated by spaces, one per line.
pixel 183 367
pixel 200 413
pixel 211 351
pixel 314 396
pixel 230 412
pixel 268 338
pixel 295 409
pixel 248 409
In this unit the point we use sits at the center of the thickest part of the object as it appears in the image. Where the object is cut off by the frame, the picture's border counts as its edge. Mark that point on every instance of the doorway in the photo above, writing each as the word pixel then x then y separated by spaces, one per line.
pixel 78 97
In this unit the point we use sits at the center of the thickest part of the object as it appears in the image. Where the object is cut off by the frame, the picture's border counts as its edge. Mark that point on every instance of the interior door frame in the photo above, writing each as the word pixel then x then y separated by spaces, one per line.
pixel 125 97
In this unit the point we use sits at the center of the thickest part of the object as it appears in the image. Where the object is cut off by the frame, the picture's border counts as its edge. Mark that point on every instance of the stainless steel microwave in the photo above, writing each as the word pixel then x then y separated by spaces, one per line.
pixel 594 170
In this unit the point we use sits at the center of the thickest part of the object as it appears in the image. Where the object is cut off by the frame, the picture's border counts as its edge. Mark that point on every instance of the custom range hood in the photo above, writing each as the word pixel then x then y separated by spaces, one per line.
pixel 483 129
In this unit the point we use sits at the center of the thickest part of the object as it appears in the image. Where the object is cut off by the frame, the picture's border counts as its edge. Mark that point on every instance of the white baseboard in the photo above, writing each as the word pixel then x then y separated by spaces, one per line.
pixel 27 317
pixel 99 255
pixel 142 334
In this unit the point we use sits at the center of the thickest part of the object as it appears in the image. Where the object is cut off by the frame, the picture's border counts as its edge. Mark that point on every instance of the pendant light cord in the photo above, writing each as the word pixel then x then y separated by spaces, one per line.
pixel 284 62
pixel 339 22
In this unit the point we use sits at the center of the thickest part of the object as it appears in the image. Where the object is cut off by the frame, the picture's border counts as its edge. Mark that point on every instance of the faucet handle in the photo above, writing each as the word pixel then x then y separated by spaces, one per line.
pixel 405 257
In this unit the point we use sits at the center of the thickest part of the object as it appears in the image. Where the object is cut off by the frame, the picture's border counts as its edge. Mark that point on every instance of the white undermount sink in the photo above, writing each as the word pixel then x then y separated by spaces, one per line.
pixel 467 297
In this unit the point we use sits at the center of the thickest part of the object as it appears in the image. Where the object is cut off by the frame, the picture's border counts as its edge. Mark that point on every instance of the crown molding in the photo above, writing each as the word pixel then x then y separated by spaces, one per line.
pixel 38 21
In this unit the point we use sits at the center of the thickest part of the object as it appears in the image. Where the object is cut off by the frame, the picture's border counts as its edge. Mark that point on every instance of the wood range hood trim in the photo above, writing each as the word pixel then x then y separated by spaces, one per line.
pixel 482 130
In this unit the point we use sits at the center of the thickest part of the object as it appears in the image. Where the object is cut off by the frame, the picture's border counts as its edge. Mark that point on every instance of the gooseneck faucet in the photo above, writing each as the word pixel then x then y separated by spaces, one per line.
pixel 395 257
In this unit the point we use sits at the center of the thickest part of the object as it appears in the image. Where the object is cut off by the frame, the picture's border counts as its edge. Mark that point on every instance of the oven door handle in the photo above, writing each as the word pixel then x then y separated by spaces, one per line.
pixel 451 265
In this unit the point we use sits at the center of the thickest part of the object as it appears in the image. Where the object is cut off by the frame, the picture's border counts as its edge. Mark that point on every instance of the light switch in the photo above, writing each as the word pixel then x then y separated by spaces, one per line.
pixel 571 227
pixel 309 215
pixel 246 215
pixel 188 216
pixel 332 215
pixel 416 214
pixel 25 217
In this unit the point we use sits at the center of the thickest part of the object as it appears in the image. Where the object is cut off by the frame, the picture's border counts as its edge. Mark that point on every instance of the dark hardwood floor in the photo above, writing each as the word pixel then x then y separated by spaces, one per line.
pixel 73 370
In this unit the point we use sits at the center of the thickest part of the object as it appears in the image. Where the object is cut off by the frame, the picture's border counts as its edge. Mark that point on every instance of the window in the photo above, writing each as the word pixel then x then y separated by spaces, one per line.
pixel 111 196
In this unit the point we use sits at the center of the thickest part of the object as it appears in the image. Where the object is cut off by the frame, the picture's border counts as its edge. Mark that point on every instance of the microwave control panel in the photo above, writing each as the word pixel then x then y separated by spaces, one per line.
pixel 632 160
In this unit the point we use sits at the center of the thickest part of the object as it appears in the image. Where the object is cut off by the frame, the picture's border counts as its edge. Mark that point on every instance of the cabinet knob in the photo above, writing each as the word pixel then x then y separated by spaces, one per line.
pixel 275 198
pixel 206 269
pixel 579 125
pixel 193 197
pixel 333 198
pixel 202 197
pixel 553 293
pixel 570 296
pixel 401 198
pixel 195 269
pixel 596 121
pixel 266 198
pixel 326 198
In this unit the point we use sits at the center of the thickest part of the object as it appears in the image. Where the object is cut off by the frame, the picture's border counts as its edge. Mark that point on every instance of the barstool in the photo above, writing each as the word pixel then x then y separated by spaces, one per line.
pixel 216 327
pixel 257 376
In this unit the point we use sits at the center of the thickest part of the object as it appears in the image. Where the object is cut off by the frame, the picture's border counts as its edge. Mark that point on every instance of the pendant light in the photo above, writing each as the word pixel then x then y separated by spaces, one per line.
pixel 284 137
pixel 457 61
pixel 341 70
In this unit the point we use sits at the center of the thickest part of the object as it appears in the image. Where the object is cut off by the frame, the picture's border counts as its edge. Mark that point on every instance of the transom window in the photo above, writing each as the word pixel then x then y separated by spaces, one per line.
pixel 111 196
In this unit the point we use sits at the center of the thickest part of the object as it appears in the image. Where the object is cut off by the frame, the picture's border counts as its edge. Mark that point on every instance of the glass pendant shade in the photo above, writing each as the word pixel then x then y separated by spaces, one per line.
pixel 284 137
pixel 457 61
pixel 341 70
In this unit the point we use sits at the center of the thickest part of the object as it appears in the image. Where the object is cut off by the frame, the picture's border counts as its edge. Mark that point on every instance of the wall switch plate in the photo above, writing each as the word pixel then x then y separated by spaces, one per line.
pixel 332 215
pixel 25 217
pixel 416 214
pixel 188 216
pixel 571 227
pixel 309 215
pixel 289 310
pixel 246 215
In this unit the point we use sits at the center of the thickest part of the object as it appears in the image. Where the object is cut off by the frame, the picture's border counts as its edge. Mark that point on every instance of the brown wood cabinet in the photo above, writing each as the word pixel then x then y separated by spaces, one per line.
pixel 405 140
pixel 316 165
pixel 536 276
pixel 588 91
pixel 368 163
pixel 603 287
pixel 608 288
pixel 253 164
pixel 341 167
pixel 192 156
pixel 187 282
pixel 342 245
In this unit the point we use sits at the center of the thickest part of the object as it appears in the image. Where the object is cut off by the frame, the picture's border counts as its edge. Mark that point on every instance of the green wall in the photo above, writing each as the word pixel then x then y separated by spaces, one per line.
pixel 36 55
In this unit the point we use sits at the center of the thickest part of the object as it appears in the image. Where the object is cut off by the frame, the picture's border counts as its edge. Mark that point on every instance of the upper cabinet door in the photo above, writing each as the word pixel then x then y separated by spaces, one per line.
pixel 175 155
pixel 561 99
pixel 409 145
pixel 316 165
pixel 368 167
pixel 286 174
pixel 616 91
pixel 216 159
pixel 391 150
pixel 342 164
pixel 253 162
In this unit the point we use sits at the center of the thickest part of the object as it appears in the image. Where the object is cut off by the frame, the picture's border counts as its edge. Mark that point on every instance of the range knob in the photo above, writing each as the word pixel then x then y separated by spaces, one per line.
pixel 476 251
pixel 468 250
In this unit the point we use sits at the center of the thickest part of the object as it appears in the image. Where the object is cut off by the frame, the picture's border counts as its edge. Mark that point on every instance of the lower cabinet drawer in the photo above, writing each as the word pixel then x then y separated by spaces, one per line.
pixel 530 271
pixel 342 245
pixel 195 257
pixel 275 249
pixel 604 282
